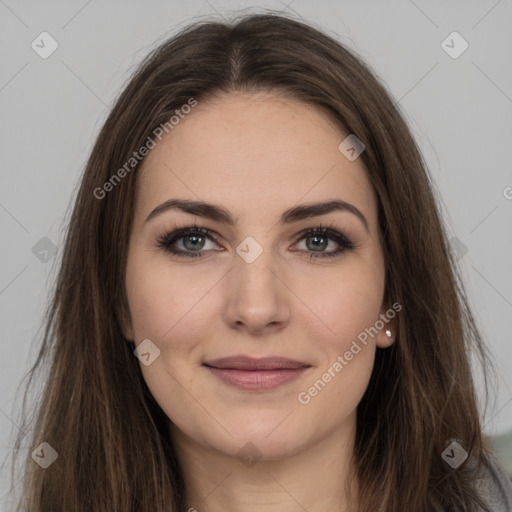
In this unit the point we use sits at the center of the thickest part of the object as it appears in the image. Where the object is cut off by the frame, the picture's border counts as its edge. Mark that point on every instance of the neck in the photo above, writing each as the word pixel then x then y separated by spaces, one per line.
pixel 315 478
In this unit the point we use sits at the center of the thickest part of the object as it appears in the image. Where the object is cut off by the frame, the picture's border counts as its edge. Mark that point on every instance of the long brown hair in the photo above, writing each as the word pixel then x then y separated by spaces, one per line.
pixel 114 449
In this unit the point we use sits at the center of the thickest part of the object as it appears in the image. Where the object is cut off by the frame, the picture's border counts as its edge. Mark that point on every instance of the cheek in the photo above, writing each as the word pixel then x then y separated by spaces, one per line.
pixel 348 350
pixel 162 303
pixel 336 390
pixel 342 304
pixel 159 299
pixel 346 305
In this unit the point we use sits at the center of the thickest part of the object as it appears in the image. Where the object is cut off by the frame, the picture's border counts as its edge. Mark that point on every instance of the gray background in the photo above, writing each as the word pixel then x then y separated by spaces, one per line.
pixel 51 110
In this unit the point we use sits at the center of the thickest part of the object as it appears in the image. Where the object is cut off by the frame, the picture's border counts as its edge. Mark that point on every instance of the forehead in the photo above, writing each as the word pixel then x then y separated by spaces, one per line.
pixel 254 152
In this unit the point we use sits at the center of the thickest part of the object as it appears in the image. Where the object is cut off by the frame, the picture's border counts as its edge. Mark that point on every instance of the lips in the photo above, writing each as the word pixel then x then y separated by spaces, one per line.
pixel 249 363
pixel 256 374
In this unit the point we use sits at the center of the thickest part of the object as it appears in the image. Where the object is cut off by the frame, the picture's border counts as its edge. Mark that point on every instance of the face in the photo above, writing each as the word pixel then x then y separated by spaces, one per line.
pixel 256 276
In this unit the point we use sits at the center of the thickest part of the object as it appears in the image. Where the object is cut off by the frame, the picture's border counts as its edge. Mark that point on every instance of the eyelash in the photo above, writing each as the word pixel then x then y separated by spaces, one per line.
pixel 166 240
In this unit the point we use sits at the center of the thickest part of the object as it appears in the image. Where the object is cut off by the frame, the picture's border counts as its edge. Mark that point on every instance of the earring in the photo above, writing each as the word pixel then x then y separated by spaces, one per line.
pixel 388 333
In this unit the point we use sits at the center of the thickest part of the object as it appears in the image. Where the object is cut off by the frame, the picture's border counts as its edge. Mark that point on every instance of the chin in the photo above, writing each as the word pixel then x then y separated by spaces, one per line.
pixel 265 440
pixel 252 449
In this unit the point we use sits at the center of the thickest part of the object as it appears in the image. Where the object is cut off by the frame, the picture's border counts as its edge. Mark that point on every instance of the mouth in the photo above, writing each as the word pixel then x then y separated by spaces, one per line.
pixel 256 374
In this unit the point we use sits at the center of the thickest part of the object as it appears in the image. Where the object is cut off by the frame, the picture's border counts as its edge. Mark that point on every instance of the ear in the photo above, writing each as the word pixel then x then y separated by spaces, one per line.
pixel 388 316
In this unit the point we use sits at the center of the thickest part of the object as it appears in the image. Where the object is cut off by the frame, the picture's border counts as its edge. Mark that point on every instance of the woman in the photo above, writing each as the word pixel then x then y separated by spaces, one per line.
pixel 257 308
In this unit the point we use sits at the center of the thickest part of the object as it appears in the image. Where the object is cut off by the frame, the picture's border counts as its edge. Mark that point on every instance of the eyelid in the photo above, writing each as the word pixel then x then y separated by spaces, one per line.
pixel 329 227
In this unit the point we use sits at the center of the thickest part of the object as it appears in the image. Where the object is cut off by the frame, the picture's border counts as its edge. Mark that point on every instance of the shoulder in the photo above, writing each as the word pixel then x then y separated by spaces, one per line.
pixel 495 486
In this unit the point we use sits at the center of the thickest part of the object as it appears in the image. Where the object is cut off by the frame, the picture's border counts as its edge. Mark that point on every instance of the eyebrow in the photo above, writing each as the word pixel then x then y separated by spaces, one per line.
pixel 219 214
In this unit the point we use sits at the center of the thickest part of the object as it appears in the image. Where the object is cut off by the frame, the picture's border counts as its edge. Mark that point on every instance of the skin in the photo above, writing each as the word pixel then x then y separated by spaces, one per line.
pixel 257 155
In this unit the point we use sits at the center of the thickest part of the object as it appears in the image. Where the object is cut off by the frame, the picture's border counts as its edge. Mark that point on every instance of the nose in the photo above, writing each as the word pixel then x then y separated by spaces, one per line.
pixel 257 296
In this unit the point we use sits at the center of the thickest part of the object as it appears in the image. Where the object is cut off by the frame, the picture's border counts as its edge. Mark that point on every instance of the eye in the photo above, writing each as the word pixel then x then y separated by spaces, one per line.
pixel 318 239
pixel 191 242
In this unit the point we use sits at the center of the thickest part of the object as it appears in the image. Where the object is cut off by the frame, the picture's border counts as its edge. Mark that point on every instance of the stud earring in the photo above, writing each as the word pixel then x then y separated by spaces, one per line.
pixel 388 333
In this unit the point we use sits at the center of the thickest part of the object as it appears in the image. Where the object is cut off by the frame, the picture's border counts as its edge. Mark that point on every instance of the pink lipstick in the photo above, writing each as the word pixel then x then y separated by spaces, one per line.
pixel 256 374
